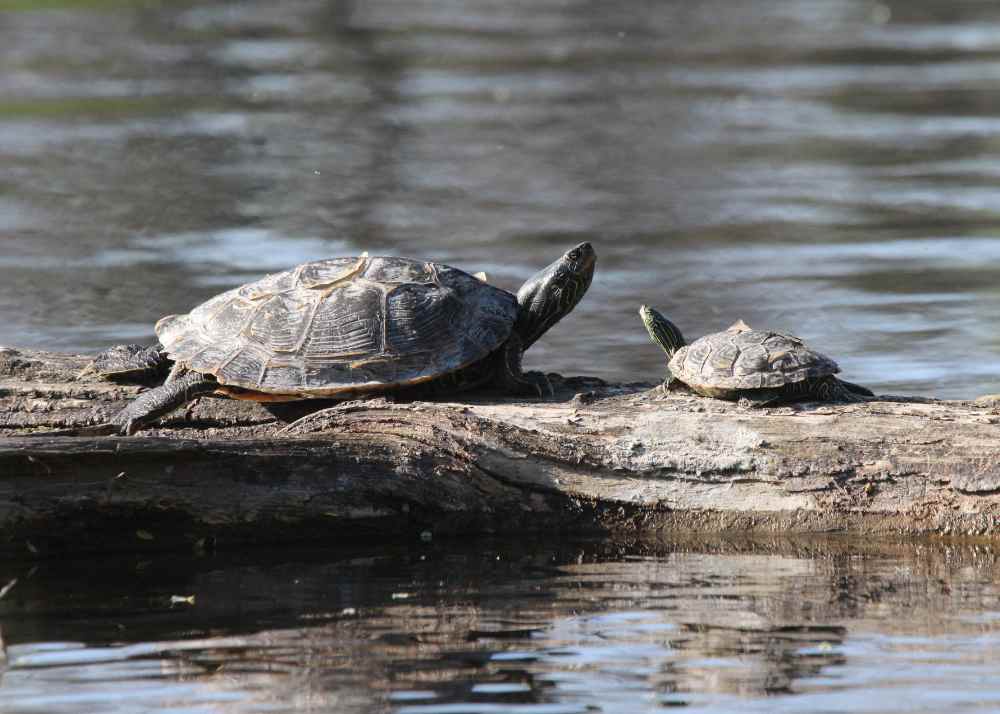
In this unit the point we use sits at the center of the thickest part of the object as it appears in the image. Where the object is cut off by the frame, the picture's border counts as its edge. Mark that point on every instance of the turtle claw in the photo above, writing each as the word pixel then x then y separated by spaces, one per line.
pixel 154 403
pixel 538 383
pixel 670 384
pixel 124 426
pixel 759 398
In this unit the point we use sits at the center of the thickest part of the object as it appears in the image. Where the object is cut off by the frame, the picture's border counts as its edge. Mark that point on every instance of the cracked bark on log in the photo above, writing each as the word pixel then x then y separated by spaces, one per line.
pixel 617 458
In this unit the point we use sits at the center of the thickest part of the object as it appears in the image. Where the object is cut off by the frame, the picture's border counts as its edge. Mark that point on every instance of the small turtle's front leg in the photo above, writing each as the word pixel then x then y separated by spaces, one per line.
pixel 670 384
pixel 759 398
pixel 159 401
pixel 513 379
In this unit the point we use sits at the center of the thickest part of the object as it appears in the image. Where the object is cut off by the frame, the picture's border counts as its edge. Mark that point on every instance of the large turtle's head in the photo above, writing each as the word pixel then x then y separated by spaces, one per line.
pixel 553 291
pixel 661 330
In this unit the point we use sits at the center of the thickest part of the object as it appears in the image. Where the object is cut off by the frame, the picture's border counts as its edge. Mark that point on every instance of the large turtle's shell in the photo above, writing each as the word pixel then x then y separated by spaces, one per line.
pixel 333 327
pixel 743 358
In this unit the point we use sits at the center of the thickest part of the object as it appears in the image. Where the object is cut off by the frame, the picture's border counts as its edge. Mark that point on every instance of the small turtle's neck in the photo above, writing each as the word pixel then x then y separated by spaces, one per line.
pixel 662 331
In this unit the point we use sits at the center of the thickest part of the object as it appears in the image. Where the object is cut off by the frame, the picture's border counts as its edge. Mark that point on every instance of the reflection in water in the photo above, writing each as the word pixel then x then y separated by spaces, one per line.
pixel 761 626
pixel 821 168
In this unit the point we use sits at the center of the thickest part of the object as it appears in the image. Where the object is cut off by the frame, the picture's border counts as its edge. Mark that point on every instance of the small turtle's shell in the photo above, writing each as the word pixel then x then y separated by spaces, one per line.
pixel 336 327
pixel 742 358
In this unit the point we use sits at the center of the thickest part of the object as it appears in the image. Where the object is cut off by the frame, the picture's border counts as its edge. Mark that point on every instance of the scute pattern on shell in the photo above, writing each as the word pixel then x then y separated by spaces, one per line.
pixel 748 359
pixel 342 325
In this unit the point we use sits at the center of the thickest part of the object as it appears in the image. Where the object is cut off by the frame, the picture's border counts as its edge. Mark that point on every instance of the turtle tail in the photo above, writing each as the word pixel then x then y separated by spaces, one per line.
pixel 831 389
pixel 661 330
pixel 856 388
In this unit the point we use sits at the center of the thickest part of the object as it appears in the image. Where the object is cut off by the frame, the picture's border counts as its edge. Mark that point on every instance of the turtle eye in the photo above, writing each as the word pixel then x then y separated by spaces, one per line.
pixel 574 254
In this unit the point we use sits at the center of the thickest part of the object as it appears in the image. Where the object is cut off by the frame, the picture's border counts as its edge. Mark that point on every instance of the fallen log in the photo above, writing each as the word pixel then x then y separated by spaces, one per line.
pixel 622 459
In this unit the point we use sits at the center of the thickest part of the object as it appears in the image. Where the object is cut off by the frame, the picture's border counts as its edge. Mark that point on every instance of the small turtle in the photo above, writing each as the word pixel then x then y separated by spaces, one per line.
pixel 754 367
pixel 345 327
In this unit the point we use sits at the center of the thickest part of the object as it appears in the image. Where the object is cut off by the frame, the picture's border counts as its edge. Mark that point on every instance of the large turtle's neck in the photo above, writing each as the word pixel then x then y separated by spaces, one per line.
pixel 551 293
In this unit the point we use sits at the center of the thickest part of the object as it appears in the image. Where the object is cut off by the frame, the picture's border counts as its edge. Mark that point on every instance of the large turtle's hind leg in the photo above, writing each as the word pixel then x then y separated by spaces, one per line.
pixel 156 402
pixel 135 363
pixel 511 378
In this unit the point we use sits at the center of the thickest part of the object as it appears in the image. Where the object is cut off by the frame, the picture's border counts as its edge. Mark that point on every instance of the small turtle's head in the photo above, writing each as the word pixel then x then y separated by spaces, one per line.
pixel 553 291
pixel 661 330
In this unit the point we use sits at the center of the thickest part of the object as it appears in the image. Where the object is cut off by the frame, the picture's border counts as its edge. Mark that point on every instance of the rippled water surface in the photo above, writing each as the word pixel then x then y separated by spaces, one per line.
pixel 435 628
pixel 827 168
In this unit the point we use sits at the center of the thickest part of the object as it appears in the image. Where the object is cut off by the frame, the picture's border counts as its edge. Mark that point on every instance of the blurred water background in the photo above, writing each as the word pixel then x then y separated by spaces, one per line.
pixel 828 168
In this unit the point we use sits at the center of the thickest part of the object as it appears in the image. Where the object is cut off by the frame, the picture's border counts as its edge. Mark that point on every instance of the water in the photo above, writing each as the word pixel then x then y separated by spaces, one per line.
pixel 435 628
pixel 827 168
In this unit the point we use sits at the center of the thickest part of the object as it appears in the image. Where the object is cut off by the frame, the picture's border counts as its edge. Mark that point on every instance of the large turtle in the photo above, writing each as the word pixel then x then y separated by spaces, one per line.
pixel 344 327
pixel 754 367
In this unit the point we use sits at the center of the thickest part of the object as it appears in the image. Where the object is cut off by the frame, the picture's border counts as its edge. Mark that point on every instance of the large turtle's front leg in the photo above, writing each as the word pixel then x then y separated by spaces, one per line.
pixel 547 297
pixel 148 406
pixel 511 378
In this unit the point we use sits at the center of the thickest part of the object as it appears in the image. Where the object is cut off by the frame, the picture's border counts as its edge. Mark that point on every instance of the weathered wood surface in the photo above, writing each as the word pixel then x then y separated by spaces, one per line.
pixel 621 458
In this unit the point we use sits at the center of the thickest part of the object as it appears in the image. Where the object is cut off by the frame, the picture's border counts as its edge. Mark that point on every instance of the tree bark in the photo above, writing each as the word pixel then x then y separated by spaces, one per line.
pixel 621 459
